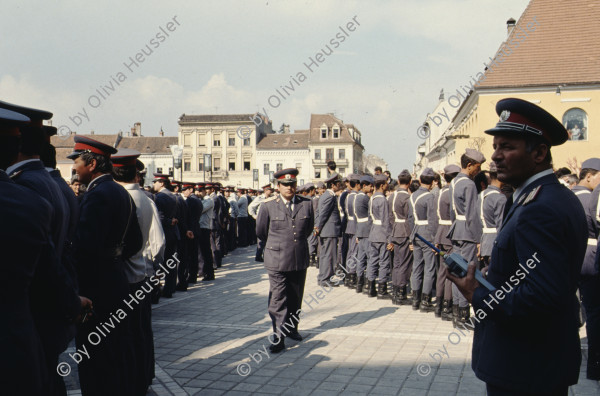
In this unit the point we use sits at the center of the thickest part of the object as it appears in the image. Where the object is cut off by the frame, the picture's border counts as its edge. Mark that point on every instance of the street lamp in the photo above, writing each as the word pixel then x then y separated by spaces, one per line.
pixel 177 152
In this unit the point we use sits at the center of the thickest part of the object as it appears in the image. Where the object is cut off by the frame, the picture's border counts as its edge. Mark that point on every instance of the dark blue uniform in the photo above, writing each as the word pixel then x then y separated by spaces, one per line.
pixel 166 203
pixel 195 211
pixel 535 263
pixel 108 233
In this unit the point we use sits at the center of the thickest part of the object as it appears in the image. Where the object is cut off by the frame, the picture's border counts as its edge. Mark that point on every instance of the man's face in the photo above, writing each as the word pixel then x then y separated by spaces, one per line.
pixel 156 186
pixel 268 192
pixel 83 171
pixel 187 192
pixel 593 180
pixel 514 163
pixel 75 187
pixel 336 186
pixel 378 172
pixel 287 191
pixel 473 169
pixel 367 188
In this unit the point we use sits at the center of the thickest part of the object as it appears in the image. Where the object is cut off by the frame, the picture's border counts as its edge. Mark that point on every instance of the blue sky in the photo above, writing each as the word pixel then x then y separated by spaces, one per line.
pixel 230 56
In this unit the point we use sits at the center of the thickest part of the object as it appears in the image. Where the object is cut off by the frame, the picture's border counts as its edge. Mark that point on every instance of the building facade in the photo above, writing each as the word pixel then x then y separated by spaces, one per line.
pixel 281 151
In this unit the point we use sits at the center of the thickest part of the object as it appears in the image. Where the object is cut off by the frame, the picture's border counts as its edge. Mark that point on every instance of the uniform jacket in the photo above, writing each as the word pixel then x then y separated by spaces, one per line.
pixel 381 228
pixel 195 206
pixel 233 207
pixel 592 212
pixel 351 224
pixel 422 215
pixel 539 307
pixel 166 203
pixel 242 206
pixel 490 206
pixel 466 225
pixel 399 205
pixel 442 205
pixel 182 217
pixel 329 222
pixel 255 205
pixel 285 234
pixel 207 212
pixel 363 219
pixel 342 208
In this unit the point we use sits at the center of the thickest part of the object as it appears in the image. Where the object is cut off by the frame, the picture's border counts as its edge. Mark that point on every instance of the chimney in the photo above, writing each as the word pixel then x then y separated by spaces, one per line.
pixel 510 25
pixel 441 98
pixel 286 129
pixel 138 129
pixel 92 132
pixel 161 133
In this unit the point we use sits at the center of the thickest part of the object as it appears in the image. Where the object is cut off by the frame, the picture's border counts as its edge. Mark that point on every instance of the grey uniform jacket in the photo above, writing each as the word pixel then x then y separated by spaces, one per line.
pixel 328 221
pixel 255 205
pixel 381 228
pixel 361 211
pixel 592 214
pixel 466 225
pixel 242 206
pixel 285 234
pixel 399 209
pixel 443 216
pixel 490 206
pixel 422 214
pixel 351 226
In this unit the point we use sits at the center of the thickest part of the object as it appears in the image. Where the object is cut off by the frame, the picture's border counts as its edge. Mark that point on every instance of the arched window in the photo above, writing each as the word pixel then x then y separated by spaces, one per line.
pixel 576 123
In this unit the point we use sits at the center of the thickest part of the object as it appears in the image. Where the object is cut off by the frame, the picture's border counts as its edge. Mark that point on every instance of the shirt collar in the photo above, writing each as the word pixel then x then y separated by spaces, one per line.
pixel 11 168
pixel 131 186
pixel 95 179
pixel 527 182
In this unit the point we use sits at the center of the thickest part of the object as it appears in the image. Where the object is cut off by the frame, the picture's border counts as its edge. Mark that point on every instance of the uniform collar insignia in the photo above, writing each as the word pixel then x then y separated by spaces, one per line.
pixel 504 115
pixel 15 174
pixel 532 195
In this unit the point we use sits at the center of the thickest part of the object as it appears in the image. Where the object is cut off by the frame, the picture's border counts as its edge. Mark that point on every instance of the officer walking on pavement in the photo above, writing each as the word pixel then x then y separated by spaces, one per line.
pixel 328 228
pixel 284 223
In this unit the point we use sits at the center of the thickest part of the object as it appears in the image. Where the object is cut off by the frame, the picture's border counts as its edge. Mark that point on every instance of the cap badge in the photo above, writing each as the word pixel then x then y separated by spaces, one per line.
pixel 288 176
pixel 504 115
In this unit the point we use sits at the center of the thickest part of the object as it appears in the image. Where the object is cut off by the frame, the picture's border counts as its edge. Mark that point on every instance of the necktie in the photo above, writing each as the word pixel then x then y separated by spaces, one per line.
pixel 289 206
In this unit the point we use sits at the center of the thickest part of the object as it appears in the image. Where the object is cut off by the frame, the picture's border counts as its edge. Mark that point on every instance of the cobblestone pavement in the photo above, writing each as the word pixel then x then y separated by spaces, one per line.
pixel 212 340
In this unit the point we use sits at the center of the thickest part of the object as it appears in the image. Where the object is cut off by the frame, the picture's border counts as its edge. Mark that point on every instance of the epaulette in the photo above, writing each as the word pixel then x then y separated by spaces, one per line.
pixel 270 199
pixel 15 174
pixel 532 195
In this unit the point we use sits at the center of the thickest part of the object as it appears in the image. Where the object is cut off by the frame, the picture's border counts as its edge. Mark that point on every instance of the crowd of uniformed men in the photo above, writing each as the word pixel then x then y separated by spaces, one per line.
pixel 90 264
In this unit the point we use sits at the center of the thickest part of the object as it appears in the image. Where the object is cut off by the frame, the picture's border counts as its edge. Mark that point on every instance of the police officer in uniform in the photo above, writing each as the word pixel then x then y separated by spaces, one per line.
pixel 194 206
pixel 242 218
pixel 465 232
pixel 442 242
pixel 253 209
pixel 490 204
pixel 354 184
pixel 328 227
pixel 285 223
pixel 108 234
pixel 363 228
pixel 313 240
pixel 535 265
pixel 402 260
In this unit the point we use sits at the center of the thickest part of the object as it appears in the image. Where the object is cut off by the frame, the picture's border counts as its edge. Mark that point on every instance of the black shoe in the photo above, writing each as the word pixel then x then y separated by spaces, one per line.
pixel 438 307
pixel 402 299
pixel 167 295
pixel 416 299
pixel 464 313
pixel 372 291
pixel 360 284
pixel 276 348
pixel 181 287
pixel 447 310
pixel 192 281
pixel 426 305
pixel 208 278
pixel 382 293
pixel 294 335
pixel 259 259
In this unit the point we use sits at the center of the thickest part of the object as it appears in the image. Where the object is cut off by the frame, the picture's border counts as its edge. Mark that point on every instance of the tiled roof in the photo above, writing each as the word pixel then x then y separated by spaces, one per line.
pixel 144 144
pixel 564 48
pixel 215 118
pixel 284 141
pixel 317 120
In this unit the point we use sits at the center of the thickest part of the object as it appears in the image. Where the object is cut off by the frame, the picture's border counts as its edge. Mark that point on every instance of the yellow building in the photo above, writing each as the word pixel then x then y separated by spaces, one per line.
pixel 551 57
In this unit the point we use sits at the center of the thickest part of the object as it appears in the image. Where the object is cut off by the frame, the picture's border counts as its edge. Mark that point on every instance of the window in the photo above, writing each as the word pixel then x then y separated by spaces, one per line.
pixel 247 142
pixel 576 123
pixel 231 139
pixel 217 164
pixel 170 171
pixel 158 170
pixel 329 154
pixel 299 167
pixel 265 169
pixel 246 165
pixel 202 139
pixel 342 153
pixel 231 165
pixel 279 167
pixel 200 166
pixel 342 171
pixel 187 166
pixel 187 140
pixel 323 132
pixel 317 174
pixel 336 131
pixel 317 154
pixel 217 141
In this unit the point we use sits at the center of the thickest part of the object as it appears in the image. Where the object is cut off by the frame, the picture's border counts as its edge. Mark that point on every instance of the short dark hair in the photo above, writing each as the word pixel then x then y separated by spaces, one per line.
pixel 494 175
pixel 531 142
pixel 414 186
pixel 48 155
pixel 387 172
pixel 378 168
pixel 365 183
pixel 426 179
pixel 480 178
pixel 562 171
pixel 379 184
pixel 586 171
pixel 404 179
pixel 331 183
pixel 103 164
pixel 9 150
pixel 352 183
pixel 466 161
pixel 33 140
pixel 449 176
pixel 124 174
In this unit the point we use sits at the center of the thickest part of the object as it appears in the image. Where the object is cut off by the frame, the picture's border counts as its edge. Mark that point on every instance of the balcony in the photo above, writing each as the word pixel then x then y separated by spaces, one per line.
pixel 323 162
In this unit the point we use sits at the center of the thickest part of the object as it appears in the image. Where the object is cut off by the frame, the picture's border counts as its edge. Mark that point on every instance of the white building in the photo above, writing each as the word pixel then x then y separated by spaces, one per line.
pixel 281 151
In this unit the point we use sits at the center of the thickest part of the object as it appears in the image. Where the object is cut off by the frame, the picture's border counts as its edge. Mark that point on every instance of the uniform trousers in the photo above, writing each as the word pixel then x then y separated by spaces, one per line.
pixel 242 231
pixel 251 230
pixel 363 253
pixel 423 270
pixel 183 267
pixel 215 244
pixel 589 286
pixel 207 260
pixel 260 249
pixel 378 264
pixel 192 249
pixel 140 323
pixel 352 255
pixel 343 250
pixel 231 234
pixel 443 286
pixel 402 259
pixel 327 257
pixel 286 290
pixel 468 250
pixel 171 276
pixel 313 243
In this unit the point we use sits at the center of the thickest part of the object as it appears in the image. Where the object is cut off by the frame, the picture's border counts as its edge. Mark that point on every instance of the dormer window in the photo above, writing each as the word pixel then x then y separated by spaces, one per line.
pixel 323 131
pixel 336 131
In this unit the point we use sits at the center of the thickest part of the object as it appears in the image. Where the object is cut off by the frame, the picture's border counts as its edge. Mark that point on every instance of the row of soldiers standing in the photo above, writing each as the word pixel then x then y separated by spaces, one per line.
pixel 369 233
